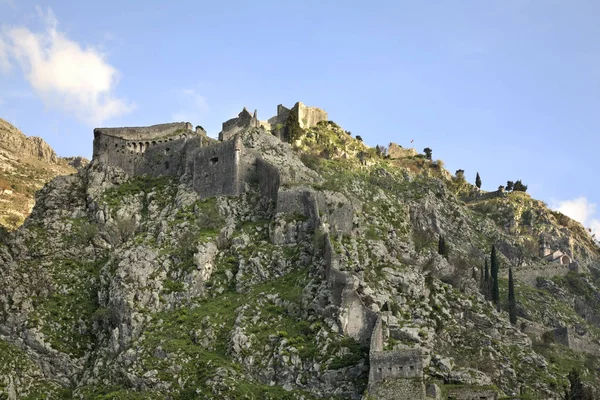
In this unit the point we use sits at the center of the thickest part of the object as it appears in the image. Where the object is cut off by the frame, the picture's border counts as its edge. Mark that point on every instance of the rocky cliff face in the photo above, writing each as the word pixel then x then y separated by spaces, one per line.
pixel 26 164
pixel 136 288
pixel 15 141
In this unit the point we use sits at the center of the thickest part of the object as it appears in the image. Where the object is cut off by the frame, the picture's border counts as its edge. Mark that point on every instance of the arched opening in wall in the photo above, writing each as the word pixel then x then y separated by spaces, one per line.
pixel 167 150
pixel 166 165
pixel 134 147
pixel 153 143
pixel 565 260
pixel 116 145
pixel 141 147
pixel 214 160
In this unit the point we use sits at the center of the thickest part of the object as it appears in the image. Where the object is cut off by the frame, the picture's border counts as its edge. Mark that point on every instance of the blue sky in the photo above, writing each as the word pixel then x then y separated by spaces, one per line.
pixel 509 89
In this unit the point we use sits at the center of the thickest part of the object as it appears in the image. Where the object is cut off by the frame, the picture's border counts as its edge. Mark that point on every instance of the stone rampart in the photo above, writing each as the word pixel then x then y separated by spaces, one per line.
pixel 217 169
pixel 391 364
pixel 529 274
pixel 567 337
pixel 356 320
pixel 144 133
pixel 396 389
pixel 268 179
pixel 395 151
pixel 244 120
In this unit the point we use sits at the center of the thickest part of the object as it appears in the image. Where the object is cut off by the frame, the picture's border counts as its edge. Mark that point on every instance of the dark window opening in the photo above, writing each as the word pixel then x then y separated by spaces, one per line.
pixel 166 165
pixel 214 160
pixel 412 367
pixel 167 150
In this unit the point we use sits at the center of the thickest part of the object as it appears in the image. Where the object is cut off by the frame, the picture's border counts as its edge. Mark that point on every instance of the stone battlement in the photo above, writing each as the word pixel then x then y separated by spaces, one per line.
pixel 143 133
pixel 213 168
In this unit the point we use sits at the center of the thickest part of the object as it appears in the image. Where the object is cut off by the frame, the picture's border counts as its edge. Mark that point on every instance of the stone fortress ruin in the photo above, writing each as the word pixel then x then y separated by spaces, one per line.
pixel 222 167
pixel 214 167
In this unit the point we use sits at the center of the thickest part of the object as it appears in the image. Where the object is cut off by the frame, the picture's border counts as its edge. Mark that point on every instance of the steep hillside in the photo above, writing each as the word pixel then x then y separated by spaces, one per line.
pixel 136 288
pixel 26 164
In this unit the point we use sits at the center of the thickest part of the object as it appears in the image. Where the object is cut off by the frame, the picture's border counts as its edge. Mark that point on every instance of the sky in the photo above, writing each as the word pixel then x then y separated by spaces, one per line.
pixel 506 88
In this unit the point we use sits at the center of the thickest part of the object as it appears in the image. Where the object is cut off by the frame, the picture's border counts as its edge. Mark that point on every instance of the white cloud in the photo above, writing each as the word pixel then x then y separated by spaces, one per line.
pixel 580 209
pixel 64 74
pixel 193 106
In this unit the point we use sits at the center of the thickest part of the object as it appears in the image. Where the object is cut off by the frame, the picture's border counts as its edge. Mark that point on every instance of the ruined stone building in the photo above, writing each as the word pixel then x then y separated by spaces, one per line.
pixel 212 167
pixel 307 117
pixel 550 255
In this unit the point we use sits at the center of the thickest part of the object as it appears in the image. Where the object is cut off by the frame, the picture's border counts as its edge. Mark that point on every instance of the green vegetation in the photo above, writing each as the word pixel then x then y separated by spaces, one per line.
pixel 65 316
pixel 163 187
pixel 427 152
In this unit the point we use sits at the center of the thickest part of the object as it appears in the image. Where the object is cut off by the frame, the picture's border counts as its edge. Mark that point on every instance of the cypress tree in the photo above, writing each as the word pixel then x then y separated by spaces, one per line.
pixel 485 281
pixel 478 181
pixel 494 271
pixel 577 391
pixel 512 302
pixel 486 276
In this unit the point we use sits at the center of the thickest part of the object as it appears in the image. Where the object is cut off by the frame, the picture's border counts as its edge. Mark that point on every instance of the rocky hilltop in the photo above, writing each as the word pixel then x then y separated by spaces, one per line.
pixel 26 164
pixel 289 261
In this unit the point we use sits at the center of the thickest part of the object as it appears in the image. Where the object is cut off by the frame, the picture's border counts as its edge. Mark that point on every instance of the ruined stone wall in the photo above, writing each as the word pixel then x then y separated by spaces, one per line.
pixel 529 274
pixel 268 179
pixel 569 338
pixel 396 389
pixel 244 120
pixel 217 169
pixel 309 117
pixel 356 319
pixel 395 151
pixel 377 336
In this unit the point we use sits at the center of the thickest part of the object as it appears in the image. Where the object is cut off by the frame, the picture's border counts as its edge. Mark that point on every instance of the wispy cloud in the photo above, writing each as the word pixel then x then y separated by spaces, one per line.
pixel 4 63
pixel 11 3
pixel 65 75
pixel 193 106
pixel 582 210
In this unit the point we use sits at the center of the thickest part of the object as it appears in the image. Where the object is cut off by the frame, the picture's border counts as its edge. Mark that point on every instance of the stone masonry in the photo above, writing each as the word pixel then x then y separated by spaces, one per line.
pixel 213 168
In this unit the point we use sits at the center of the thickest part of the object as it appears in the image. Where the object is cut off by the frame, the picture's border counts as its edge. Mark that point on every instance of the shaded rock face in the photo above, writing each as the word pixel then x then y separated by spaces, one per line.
pixel 138 287
pixel 78 163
